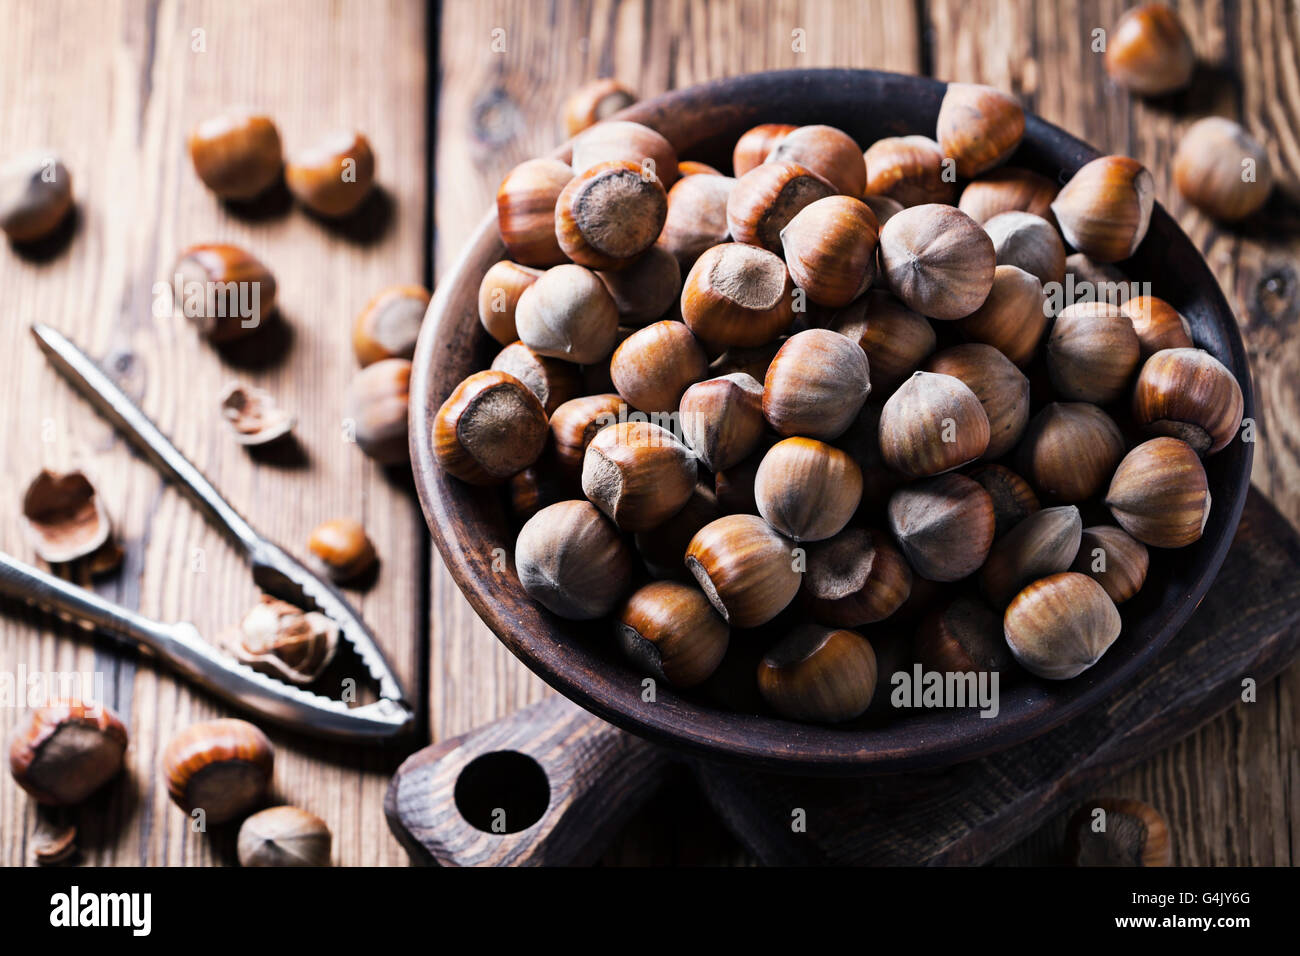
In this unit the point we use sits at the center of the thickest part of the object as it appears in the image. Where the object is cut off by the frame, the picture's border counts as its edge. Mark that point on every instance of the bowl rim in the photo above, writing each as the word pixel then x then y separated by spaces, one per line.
pixel 536 637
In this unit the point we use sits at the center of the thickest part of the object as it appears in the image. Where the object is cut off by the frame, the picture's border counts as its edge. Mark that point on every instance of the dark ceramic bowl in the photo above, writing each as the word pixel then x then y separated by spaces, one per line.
pixel 580 660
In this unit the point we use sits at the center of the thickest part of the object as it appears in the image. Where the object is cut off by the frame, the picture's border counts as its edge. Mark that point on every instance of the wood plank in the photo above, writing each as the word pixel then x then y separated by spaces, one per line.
pixel 1228 790
pixel 498 105
pixel 117 95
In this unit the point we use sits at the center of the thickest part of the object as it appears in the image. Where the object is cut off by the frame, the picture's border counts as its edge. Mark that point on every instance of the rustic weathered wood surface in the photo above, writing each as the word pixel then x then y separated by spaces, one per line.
pixel 115 85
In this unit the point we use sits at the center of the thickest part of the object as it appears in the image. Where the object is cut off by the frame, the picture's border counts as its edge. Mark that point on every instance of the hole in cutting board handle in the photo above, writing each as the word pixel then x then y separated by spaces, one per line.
pixel 502 792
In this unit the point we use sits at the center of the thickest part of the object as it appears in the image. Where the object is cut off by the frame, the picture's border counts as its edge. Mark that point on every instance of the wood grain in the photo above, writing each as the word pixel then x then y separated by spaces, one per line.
pixel 114 87
pixel 1229 790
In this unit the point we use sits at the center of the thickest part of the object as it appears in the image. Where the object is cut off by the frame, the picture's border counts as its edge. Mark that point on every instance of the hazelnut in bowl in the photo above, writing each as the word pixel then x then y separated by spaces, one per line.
pixel 745 501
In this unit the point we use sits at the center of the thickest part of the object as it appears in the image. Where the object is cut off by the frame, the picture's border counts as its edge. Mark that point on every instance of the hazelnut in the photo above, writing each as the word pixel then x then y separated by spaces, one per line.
pixel 593 102
pixel 1149 51
pixel 746 569
pixel 35 196
pixel 647 289
pixel 819 674
pixel 1044 543
pixel 376 405
pixel 492 426
pixel 1012 318
pixel 63 519
pixel 830 249
pixel 857 577
pixel 221 767
pixel 663 549
pixel 1222 170
pixel 979 127
pixel 1060 625
pixel 933 423
pixel 697 217
pixel 671 631
pixel 572 560
pixel 827 152
pixel 766 198
pixel 284 836
pixel 64 752
pixel 1008 189
pixel 738 294
pixel 755 144
pixel 553 381
pixel 690 167
pixel 816 385
pixel 526 211
pixel 806 489
pixel 342 547
pixel 1092 352
pixel 963 637
pixel 944 526
pixel 389 324
pixel 912 170
pixel 1013 499
pixel 609 214
pixel 534 488
pixel 1105 208
pixel 333 177
pixel 1191 395
pixel 569 314
pixel 286 642
pixel 895 338
pixel 1114 559
pixel 620 141
pixel 1070 450
pixel 937 260
pixel 1160 495
pixel 224 290
pixel 575 423
pixel 1102 276
pixel 237 155
pixel 1001 388
pixel 638 474
pixel 1158 324
pixel 498 298
pixel 752 360
pixel 722 419
pixel 655 365
pixel 1030 242
pixel 1125 833
pixel 253 416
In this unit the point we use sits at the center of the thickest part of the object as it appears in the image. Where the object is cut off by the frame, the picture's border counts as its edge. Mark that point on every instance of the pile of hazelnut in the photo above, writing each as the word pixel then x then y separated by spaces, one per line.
pixel 841 427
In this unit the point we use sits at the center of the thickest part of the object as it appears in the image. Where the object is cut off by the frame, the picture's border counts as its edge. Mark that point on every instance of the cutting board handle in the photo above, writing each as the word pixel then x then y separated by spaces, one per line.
pixel 548 785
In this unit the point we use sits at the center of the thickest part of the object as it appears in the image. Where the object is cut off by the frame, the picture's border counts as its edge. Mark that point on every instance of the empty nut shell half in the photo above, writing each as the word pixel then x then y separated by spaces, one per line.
pixel 1061 625
pixel 63 518
pixel 286 642
pixel 819 675
pixel 672 632
pixel 253 416
pixel 1160 494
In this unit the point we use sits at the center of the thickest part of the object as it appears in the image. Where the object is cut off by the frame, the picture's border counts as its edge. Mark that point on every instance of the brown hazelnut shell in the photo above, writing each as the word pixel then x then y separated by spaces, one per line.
pixel 746 569
pixel 614 141
pixel 933 423
pixel 389 324
pixel 377 403
pixel 1158 325
pixel 754 145
pixel 910 170
pixel 638 473
pixel 498 297
pixel 1135 834
pixel 722 419
pixel 738 295
pixel 655 365
pixel 526 211
pixel 1092 353
pixel 222 767
pixel 1114 559
pixel 830 249
pixel 828 152
pixel 1013 498
pixel 62 753
pixel 1188 394
pixel 766 198
pixel 492 426
pixel 1008 189
pixel 816 385
pixel 1012 318
pixel 333 177
pixel 1160 494
pixel 1149 51
pixel 1046 542
pixel 237 155
pixel 1105 208
pixel 819 674
pixel 592 102
pixel 896 339
pixel 1001 388
pixel 944 526
pixel 1070 450
pixel 855 578
pixel 979 127
pixel 571 559
pixel 937 260
pixel 807 490
pixel 1061 625
pixel 609 215
pixel 1210 169
pixel 671 631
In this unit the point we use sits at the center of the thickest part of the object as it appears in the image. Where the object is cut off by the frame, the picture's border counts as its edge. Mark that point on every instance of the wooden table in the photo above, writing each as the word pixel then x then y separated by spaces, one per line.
pixel 451 97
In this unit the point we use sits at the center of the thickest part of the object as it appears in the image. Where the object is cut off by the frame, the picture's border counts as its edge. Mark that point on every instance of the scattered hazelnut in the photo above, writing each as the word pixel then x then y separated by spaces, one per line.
pixel 697 217
pixel 856 577
pixel 1125 833
pixel 389 324
pixel 819 674
pixel 63 518
pixel 376 405
pixel 35 196
pixel 830 249
pixel 221 767
pixel 1001 388
pixel 526 211
pixel 638 473
pixel 1012 318
pixel 342 547
pixel 286 642
pixel 933 423
pixel 237 154
pixel 937 260
pixel 827 152
pixel 1046 542
pixel 492 426
pixel 1030 242
pixel 754 145
pixel 1061 625
pixel 554 381
pixel 671 631
pixel 963 637
pixel 722 419
pixel 1008 189
pixel 746 569
pixel 738 294
pixel 284 836
pixel 1114 559
pixel 1013 499
pixel 895 338
pixel 224 290
pixel 609 214
pixel 593 102
pixel 620 141
pixel 912 170
pixel 647 289
pixel 1160 495
pixel 1070 450
pixel 569 314
pixel 498 298
pixel 944 526
pixel 1105 208
pixel 1149 51
pixel 816 385
pixel 1092 352
pixel 253 416
pixel 766 198
pixel 1222 170
pixel 1158 325
pixel 979 127
pixel 806 489
pixel 655 365
pixel 575 423
pixel 1188 394
pixel 571 559
pixel 334 177
pixel 64 752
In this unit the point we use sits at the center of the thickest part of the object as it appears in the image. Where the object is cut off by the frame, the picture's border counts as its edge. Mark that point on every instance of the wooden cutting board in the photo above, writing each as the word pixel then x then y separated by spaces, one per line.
pixel 559 782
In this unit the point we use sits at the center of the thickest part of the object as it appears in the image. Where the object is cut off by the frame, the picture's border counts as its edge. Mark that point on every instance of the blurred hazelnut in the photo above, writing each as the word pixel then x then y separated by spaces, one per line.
pixel 593 102
pixel 738 294
pixel 647 289
pixel 944 526
pixel 1105 208
pixel 638 474
pixel 63 519
pixel 62 753
pixel 722 419
pixel 1008 189
pixel 376 404
pixel 766 198
pixel 526 211
pixel 690 167
pixel 620 141
pixel 222 767
pixel 754 145
pixel 569 314
pixel 979 127
pixel 553 381
pixel 1012 318
pixel 492 426
pixel 333 177
pixel 389 324
pixel 498 298
pixel 697 217
pixel 1114 559
pixel 224 290
pixel 1160 494
pixel 937 260
pixel 1061 625
pixel 237 154
pixel 910 170
pixel 1149 51
pixel 1126 833
pixel 1158 325
pixel 283 641
pixel 827 152
pixel 35 196
pixel 856 577
pixel 819 674
pixel 343 548
pixel 1103 276
pixel 1222 170
pixel 609 214
pixel 253 416
pixel 816 385
pixel 1002 389
pixel 1030 242
pixel 572 560
pixel 1188 394
pixel 671 631
pixel 830 249
pixel 884 207
pixel 895 338
pixel 933 423
pixel 806 489
pixel 1070 450
pixel 746 569
pixel 284 836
